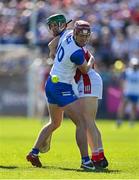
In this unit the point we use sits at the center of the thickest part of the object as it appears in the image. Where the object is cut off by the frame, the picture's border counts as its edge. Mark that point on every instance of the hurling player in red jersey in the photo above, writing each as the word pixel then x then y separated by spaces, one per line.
pixel 90 91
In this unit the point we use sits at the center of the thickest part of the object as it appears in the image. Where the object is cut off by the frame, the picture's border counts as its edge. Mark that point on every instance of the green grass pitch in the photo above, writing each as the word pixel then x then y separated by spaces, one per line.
pixel 17 136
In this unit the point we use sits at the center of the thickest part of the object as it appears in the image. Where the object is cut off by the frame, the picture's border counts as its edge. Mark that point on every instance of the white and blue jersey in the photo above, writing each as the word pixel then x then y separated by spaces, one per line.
pixel 131 84
pixel 64 34
pixel 68 57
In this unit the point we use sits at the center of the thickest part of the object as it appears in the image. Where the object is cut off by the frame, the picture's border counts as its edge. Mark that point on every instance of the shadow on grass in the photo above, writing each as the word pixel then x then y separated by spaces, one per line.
pixel 107 171
pixel 8 167
pixel 82 170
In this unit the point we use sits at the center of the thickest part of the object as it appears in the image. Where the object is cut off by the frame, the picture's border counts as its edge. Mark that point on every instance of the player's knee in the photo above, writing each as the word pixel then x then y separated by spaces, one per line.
pixel 82 124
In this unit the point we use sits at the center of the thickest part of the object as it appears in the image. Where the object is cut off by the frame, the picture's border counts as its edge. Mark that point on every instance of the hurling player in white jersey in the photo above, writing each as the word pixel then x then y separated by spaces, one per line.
pixel 130 88
pixel 61 96
pixel 89 91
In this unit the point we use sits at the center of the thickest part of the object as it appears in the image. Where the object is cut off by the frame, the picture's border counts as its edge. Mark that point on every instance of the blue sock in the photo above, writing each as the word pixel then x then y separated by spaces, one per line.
pixel 85 159
pixel 35 151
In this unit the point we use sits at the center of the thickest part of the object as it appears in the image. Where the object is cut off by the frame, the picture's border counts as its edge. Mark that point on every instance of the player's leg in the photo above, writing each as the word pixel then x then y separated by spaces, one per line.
pixel 94 135
pixel 46 145
pixel 90 90
pixel 121 111
pixel 90 110
pixel 75 112
pixel 91 104
pixel 56 115
pixel 132 114
pixel 91 144
pixel 103 162
pixel 133 101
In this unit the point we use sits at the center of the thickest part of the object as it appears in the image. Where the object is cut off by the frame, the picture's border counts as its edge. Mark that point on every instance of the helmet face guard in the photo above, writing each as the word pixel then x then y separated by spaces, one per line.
pixel 134 63
pixel 56 23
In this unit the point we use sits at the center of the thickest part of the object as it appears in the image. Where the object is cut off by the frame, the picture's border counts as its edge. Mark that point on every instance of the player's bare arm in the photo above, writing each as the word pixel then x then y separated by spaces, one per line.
pixel 84 68
pixel 52 46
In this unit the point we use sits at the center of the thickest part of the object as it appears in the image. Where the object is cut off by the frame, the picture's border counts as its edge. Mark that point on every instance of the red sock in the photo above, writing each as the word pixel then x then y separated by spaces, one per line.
pixel 101 155
pixel 95 156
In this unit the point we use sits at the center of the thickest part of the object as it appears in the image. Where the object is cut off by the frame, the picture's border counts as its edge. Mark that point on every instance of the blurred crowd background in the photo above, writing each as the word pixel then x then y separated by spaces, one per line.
pixel 24 37
pixel 115 24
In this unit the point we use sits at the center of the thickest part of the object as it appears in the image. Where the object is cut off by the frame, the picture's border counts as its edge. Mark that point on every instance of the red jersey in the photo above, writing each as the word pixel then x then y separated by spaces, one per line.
pixel 78 72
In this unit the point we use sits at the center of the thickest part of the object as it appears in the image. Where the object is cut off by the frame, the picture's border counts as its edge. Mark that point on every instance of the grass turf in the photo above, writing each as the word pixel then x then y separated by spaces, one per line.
pixel 17 136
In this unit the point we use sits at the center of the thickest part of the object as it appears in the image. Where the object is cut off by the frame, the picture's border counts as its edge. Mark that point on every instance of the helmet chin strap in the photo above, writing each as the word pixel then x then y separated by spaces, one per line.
pixel 61 28
pixel 76 42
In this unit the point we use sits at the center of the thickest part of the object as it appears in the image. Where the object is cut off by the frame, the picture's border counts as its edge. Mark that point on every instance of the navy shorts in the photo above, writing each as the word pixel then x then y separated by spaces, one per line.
pixel 59 93
pixel 132 98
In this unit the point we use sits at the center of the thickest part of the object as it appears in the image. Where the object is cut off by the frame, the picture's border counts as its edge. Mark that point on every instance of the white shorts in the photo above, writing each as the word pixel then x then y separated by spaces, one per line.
pixel 89 85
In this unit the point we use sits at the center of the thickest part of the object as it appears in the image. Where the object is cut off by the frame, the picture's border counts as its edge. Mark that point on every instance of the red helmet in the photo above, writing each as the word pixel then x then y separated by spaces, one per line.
pixel 82 27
